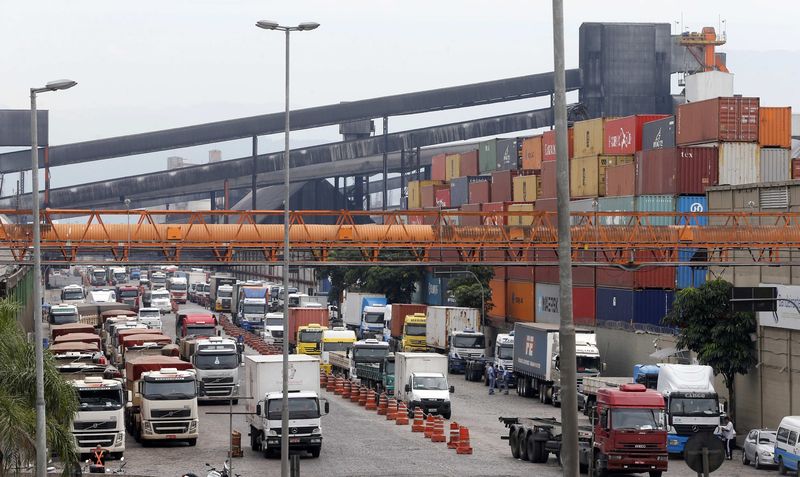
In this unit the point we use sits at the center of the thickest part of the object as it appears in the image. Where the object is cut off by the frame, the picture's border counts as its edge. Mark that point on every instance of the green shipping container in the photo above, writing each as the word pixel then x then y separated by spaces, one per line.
pixel 657 203
pixel 487 156
pixel 625 203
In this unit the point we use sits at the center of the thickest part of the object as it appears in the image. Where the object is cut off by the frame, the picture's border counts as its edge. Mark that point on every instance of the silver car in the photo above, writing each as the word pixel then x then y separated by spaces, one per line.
pixel 759 448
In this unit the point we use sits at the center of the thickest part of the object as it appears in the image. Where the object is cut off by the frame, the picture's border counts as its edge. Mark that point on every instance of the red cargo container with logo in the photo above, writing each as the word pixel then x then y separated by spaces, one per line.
pixel 677 170
pixel 623 136
pixel 549 145
pixel 733 119
pixel 469 163
pixel 442 197
pixel 439 167
pixel 583 276
pixel 532 148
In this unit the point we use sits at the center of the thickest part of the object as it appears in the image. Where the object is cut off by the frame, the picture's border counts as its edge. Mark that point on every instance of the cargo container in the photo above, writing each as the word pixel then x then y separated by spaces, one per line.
pixel 497 313
pixel 548 299
pixel 546 205
pixel 775 164
pixel 469 163
pixel 470 219
pixel 588 174
pixel 657 203
pixel 523 273
pixel 303 317
pixel 524 188
pixel 427 196
pixel 548 189
pixel 659 134
pixel 621 180
pixel 439 167
pixel 415 193
pixel 480 192
pixel 717 120
pixel 688 276
pixel 775 127
pixel 502 185
pixel 681 170
pixel 452 166
pixel 588 137
pixel 532 153
pixel 497 154
pixel 520 298
pixel 498 219
pixel 581 276
pixel 507 155
pixel 645 307
pixel 692 204
pixel 435 290
pixel 795 168
pixel 520 219
pixel 623 136
pixel 643 278
pixel 739 163
pixel 708 85
pixel 459 191
pixel 397 314
pixel 453 217
pixel 622 204
pixel 442 197
pixel 549 144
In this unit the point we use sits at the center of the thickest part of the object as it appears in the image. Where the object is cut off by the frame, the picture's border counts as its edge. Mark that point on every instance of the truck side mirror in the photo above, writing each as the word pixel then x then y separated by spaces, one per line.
pixel 327 407
pixel 408 388
pixel 258 409
pixel 452 389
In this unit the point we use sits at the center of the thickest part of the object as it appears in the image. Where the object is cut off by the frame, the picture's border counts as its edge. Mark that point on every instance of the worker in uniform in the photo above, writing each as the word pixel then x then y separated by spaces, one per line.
pixel 492 379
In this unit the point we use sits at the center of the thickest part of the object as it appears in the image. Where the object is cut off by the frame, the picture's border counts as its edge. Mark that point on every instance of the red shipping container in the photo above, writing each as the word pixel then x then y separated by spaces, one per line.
pixel 500 273
pixel 583 306
pixel 548 180
pixel 305 316
pixel 427 196
pixel 623 136
pixel 795 168
pixel 583 276
pixel 648 277
pixel 493 219
pixel 439 167
pixel 522 273
pixel 549 145
pixel 469 163
pixel 471 220
pixel 480 192
pixel 502 186
pixel 775 127
pixel 546 205
pixel 681 170
pixel 733 119
pixel 442 197
pixel 621 180
pixel 399 313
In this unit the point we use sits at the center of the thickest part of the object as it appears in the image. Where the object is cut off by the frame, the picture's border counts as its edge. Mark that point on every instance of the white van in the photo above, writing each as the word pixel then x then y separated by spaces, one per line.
pixel 787 444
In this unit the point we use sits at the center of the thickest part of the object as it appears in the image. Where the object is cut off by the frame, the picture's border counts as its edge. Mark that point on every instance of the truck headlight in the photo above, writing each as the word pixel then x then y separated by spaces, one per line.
pixel 673 442
pixel 193 427
pixel 119 439
pixel 271 433
pixel 766 453
pixel 147 427
pixel 316 431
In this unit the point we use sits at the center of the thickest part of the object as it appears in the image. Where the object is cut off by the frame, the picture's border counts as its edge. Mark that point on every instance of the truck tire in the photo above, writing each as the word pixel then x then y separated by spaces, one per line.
pixel 522 443
pixel 512 442
pixel 192 442
pixel 533 449
pixel 447 414
pixel 315 452
pixel 655 473
pixel 540 441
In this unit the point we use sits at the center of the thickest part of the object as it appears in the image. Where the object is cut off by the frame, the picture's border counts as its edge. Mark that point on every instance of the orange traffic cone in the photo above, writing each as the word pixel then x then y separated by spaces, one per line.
pixel 453 444
pixel 463 442
pixel 371 405
pixel 438 430
pixel 363 396
pixel 391 410
pixel 339 389
pixel 355 395
pixel 419 421
pixel 402 414
pixel 428 426
pixel 347 389
pixel 331 384
pixel 383 405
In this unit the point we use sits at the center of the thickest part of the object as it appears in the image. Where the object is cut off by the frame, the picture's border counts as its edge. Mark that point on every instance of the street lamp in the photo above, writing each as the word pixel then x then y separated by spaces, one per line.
pixel 305 26
pixel 41 433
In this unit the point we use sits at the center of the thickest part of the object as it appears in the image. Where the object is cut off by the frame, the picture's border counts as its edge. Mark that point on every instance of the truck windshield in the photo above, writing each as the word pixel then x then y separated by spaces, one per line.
pixel 254 309
pixel 128 293
pixel 431 383
pixel 63 318
pixel 216 361
pixel 334 346
pixel 178 287
pixel 505 352
pixel 310 336
pixel 361 353
pixel 274 321
pixel 100 274
pixel 461 341
pixel 164 390
pixel 415 330
pixel 637 419
pixel 149 314
pixel 72 295
pixel 588 364
pixel 373 318
pixel 299 408
pixel 159 296
pixel 389 367
pixel 201 330
pixel 683 406
pixel 92 399
pixel 224 293
pixel 120 276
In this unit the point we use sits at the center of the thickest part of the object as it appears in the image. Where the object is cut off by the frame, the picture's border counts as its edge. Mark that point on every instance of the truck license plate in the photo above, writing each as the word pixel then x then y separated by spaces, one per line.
pixel 433 409
pixel 171 436
pixel 294 440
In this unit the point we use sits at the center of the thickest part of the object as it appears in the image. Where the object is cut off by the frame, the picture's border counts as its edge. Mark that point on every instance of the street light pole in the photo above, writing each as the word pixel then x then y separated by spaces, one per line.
pixel 270 25
pixel 41 429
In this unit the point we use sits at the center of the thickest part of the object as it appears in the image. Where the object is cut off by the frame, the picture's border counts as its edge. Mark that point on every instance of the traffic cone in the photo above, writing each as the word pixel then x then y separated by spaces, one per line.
pixel 428 426
pixel 346 392
pixel 463 442
pixel 391 410
pixel 438 430
pixel 371 404
pixel 419 421
pixel 330 386
pixel 363 396
pixel 453 444
pixel 323 380
pixel 402 414
pixel 383 405
pixel 355 394
pixel 339 389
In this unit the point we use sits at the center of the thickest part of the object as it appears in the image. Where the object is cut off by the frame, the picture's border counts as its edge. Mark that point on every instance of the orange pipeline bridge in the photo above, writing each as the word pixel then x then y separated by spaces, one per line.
pixel 624 239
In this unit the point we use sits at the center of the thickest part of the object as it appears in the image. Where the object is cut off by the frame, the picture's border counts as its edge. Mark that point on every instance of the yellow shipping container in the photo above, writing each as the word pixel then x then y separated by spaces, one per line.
pixel 452 166
pixel 525 188
pixel 588 138
pixel 520 219
pixel 415 192
pixel 588 174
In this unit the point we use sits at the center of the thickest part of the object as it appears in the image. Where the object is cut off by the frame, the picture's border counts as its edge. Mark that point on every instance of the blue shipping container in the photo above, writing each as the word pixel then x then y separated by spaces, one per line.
pixel 687 277
pixel 435 290
pixel 692 203
pixel 645 307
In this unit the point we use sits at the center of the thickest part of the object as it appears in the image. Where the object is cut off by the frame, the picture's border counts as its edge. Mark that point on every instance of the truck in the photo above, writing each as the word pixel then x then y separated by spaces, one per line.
pixel 197 324
pixel 160 299
pixel 143 343
pixel 197 276
pixel 273 328
pixel 178 289
pixel 250 306
pixel 590 387
pixel 305 329
pixel 129 295
pixel 118 275
pixel 369 351
pixel 158 280
pixel 201 294
pixel 63 313
pixel 627 434
pixel 162 399
pixel 151 317
pixel 646 374
pixel 380 377
pixel 73 294
pixel 536 359
pixel 264 405
pixel 476 369
pixel 135 273
pixel 405 327
pixel 223 298
pixel 692 403
pixel 364 313
pixel 216 361
pixel 214 283
pixel 98 277
pixel 421 381
pixel 455 331
pixel 100 420
pixel 338 338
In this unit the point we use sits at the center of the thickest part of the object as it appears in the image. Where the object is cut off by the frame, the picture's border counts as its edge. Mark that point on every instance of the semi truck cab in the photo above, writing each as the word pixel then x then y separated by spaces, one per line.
pixel 464 345
pixel 414 333
pixel 309 338
pixel 162 405
pixel 273 328
pixel 178 289
pixel 100 420
pixel 223 301
pixel 216 361
pixel 252 307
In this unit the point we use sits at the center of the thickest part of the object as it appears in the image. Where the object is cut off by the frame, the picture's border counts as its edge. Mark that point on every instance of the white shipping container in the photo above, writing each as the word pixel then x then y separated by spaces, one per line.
pixel 795 124
pixel 775 164
pixel 739 163
pixel 708 85
pixel 547 303
pixel 581 205
pixel 442 320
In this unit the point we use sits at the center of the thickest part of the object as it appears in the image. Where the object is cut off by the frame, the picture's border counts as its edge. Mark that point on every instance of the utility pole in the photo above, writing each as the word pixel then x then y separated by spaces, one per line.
pixel 566 338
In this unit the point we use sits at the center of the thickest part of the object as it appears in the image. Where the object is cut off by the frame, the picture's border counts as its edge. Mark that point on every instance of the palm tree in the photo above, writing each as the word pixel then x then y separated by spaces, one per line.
pixel 18 398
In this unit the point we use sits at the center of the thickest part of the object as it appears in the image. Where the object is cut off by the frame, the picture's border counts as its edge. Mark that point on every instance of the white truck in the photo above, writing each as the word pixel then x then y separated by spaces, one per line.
pixel 264 386
pixel 158 280
pixel 100 419
pixel 455 331
pixel 273 328
pixel 160 299
pixel 63 313
pixel 73 294
pixel 104 295
pixel 119 275
pixel 364 313
pixel 249 305
pixel 151 317
pixel 362 351
pixel 178 289
pixel 224 296
pixel 216 361
pixel 98 277
pixel 421 381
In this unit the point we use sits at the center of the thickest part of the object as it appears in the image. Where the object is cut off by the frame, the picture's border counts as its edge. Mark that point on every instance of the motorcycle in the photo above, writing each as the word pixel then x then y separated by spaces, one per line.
pixel 225 472
pixel 102 468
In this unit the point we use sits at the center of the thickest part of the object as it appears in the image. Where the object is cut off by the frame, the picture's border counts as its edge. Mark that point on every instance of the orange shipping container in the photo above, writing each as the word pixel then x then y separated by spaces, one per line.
pixel 532 151
pixel 438 167
pixel 520 299
pixel 775 127
pixel 497 312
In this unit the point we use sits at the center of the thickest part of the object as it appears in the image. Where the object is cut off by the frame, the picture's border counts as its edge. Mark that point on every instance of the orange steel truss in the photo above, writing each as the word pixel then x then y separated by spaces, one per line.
pixel 601 238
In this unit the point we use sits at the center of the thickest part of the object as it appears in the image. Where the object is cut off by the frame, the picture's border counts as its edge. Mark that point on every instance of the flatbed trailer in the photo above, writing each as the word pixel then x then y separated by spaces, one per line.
pixel 535 438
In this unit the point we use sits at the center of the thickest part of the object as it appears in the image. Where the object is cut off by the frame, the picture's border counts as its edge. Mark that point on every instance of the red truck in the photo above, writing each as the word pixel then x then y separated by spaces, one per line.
pixel 198 323
pixel 129 295
pixel 628 434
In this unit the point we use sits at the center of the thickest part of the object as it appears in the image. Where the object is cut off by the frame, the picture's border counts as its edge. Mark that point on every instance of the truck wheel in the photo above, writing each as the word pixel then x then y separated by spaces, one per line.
pixel 522 443
pixel 655 473
pixel 512 441
pixel 447 414
pixel 781 467
pixel 533 449
pixel 192 442
pixel 315 452
pixel 599 470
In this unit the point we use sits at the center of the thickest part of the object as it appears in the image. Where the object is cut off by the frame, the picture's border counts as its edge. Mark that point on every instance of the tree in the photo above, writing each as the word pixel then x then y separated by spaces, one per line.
pixel 709 327
pixel 18 399
pixel 466 290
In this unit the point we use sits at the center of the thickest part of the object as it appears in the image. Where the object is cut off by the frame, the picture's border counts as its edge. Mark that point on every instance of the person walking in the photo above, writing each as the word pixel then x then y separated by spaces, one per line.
pixel 503 378
pixel 728 435
pixel 492 379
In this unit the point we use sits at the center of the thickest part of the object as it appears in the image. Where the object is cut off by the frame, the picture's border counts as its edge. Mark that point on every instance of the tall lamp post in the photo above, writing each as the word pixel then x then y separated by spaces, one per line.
pixel 270 25
pixel 41 432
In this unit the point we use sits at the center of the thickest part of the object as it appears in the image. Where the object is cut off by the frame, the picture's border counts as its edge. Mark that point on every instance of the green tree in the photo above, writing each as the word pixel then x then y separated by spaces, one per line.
pixel 709 327
pixel 18 398
pixel 466 290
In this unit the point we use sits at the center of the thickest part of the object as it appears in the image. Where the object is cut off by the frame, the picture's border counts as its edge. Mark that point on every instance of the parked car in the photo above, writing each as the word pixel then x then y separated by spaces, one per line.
pixel 759 448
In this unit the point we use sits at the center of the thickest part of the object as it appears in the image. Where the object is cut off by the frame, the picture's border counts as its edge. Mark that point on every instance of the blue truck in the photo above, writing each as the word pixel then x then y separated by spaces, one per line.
pixel 364 313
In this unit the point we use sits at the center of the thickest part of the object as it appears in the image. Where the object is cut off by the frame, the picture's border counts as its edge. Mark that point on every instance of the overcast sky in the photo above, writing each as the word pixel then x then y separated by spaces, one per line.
pixel 149 64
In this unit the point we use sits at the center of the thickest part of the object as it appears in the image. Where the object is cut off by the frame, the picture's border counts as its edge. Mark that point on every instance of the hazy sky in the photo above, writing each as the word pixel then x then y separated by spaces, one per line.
pixel 150 65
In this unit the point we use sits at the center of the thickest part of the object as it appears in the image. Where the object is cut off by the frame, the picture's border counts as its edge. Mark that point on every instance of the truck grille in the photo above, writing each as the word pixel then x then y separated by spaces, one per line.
pixel 222 380
pixel 167 413
pixel 93 440
pixel 689 429
pixel 432 401
pixel 277 334
pixel 296 430
pixel 92 426
pixel 179 427
pixel 640 447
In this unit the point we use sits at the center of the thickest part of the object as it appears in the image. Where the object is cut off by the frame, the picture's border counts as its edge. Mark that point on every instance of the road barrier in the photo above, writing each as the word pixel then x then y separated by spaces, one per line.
pixel 391 410
pixel 454 431
pixel 463 442
pixel 438 430
pixel 363 396
pixel 371 404
pixel 419 421
pixel 383 405
pixel 402 414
